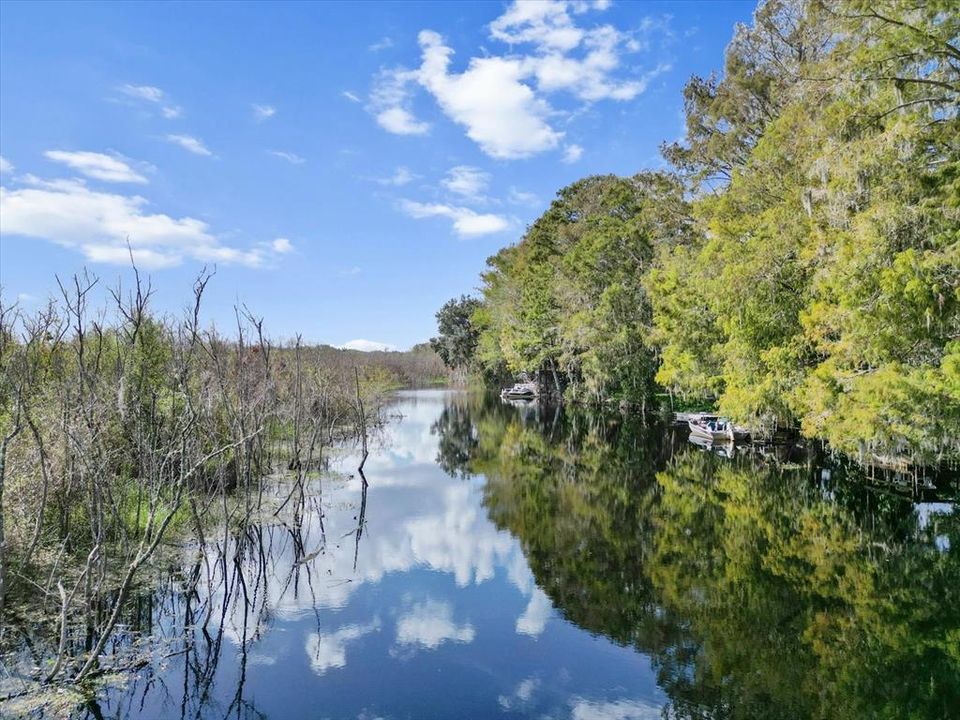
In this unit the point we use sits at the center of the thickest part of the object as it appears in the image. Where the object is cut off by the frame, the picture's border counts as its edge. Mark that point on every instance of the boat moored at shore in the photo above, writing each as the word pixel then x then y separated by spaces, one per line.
pixel 520 391
pixel 716 428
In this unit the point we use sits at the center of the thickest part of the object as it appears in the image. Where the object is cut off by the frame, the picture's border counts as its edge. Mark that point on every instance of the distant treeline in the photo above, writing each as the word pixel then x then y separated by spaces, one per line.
pixel 799 264
pixel 418 367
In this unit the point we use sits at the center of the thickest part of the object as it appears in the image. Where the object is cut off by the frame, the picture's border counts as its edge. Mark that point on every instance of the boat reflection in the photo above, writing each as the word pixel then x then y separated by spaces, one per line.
pixel 723 447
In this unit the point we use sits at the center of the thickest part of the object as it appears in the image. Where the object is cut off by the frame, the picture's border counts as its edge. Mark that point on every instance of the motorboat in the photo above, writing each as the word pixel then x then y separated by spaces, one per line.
pixel 724 448
pixel 520 391
pixel 715 428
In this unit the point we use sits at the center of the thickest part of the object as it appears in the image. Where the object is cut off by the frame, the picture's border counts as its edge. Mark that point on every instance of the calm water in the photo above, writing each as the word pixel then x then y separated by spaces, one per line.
pixel 518 562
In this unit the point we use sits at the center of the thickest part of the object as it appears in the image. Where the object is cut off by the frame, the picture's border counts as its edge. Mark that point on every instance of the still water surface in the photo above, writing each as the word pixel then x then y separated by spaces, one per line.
pixel 521 562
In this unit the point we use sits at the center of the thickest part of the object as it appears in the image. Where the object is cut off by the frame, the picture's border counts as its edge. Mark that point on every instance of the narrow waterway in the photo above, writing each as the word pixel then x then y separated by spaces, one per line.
pixel 523 562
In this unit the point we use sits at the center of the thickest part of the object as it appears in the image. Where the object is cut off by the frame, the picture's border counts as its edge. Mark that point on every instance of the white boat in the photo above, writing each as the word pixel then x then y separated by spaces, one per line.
pixel 716 429
pixel 520 391
pixel 724 448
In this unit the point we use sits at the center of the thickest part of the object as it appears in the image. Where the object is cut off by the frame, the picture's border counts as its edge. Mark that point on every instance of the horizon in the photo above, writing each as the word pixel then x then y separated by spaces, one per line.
pixel 355 158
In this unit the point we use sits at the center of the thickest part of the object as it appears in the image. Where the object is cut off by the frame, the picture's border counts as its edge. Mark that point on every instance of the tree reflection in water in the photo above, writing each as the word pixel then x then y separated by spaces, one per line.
pixel 759 592
pixel 757 588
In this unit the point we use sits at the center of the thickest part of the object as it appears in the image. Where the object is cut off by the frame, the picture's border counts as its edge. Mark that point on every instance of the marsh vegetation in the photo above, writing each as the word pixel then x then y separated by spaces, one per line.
pixel 123 432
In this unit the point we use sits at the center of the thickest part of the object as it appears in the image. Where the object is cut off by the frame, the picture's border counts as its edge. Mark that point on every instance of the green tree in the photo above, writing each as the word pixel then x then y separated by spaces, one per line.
pixel 568 302
pixel 824 283
pixel 456 343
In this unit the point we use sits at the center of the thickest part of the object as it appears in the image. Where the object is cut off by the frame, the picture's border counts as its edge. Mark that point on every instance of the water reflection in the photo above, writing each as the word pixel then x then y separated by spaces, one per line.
pixel 525 562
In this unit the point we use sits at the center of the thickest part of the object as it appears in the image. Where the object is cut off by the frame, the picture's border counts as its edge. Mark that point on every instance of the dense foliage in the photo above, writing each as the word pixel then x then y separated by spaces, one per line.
pixel 802 265
pixel 568 301
pixel 457 339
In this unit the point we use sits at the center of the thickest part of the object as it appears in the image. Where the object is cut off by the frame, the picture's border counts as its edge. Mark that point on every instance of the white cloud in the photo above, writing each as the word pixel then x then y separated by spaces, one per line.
pixel 589 77
pixel 401 122
pixel 5 165
pixel 572 153
pixel 382 44
pixel 466 222
pixel 290 157
pixel 255 658
pixel 367 346
pixel 100 224
pixel 329 650
pixel 470 182
pixel 545 23
pixel 110 168
pixel 501 100
pixel 351 272
pixel 521 696
pixel 401 176
pixel 390 103
pixel 281 245
pixel 144 92
pixel 352 97
pixel 534 618
pixel 190 143
pixel 500 113
pixel 430 624
pixel 263 112
pixel 151 94
pixel 615 710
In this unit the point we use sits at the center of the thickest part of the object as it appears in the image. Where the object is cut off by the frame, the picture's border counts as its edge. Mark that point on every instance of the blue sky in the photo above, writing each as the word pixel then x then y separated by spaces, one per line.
pixel 347 167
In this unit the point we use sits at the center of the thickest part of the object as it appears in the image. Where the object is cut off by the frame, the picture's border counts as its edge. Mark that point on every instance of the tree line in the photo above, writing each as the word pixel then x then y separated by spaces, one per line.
pixel 798 263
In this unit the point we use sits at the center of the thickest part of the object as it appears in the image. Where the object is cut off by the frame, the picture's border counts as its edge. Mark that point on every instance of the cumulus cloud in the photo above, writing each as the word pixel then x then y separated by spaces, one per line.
pixel 5 165
pixel 367 345
pixel 401 122
pixel 500 113
pixel 290 157
pixel 466 222
pixel 109 168
pixel 502 99
pixel 263 112
pixel 428 625
pixel 190 144
pixel 547 24
pixel 101 224
pixel 467 181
